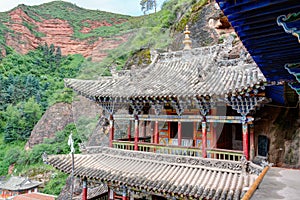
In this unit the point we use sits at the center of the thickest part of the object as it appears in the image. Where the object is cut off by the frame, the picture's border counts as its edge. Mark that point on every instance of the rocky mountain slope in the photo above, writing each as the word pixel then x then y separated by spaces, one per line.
pixel 26 27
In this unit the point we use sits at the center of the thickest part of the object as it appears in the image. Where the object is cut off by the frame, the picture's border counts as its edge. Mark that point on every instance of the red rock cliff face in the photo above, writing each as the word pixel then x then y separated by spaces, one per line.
pixel 58 32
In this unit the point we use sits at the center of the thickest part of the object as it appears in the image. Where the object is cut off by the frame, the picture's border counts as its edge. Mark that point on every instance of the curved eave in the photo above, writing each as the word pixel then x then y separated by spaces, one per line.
pixel 171 174
pixel 200 72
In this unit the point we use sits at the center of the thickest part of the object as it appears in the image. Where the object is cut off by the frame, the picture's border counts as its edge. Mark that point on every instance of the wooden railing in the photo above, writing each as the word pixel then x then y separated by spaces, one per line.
pixel 170 149
pixel 224 154
pixel 126 145
pixel 156 148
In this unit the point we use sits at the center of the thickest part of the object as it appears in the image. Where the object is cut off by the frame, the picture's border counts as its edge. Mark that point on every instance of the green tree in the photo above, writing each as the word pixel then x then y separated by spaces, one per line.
pixel 20 120
pixel 147 5
pixel 32 113
pixel 14 124
pixel 58 56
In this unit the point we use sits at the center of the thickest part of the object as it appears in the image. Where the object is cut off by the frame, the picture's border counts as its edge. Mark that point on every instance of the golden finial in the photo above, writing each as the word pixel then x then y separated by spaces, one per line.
pixel 187 41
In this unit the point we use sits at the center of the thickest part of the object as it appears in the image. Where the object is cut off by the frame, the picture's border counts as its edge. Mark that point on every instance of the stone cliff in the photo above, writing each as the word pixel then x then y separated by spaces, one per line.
pixel 61 114
pixel 55 119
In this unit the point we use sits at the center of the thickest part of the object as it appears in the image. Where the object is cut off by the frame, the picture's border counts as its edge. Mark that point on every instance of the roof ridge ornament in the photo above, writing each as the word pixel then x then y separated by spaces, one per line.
pixel 187 40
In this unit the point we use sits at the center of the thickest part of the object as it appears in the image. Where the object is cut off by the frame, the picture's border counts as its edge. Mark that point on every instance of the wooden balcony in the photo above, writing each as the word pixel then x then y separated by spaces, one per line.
pixel 222 154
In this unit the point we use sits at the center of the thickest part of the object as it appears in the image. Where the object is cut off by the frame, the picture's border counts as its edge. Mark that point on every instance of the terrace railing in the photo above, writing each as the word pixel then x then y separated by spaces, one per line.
pixel 224 154
pixel 157 148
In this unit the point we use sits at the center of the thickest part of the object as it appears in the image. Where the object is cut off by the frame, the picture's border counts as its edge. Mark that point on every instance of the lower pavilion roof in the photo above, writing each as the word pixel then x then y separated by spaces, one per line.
pixel 17 183
pixel 34 196
pixel 204 71
pixel 162 174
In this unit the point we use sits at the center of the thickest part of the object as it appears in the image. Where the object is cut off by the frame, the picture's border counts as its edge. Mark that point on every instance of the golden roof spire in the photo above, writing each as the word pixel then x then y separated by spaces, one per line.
pixel 187 41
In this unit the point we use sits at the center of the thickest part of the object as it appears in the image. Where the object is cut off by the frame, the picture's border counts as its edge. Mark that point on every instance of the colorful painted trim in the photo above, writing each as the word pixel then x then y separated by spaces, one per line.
pixel 290 24
pixel 294 69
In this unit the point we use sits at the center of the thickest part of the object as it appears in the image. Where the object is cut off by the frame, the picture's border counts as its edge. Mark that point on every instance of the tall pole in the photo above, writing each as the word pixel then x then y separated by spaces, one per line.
pixel 72 185
pixel 71 144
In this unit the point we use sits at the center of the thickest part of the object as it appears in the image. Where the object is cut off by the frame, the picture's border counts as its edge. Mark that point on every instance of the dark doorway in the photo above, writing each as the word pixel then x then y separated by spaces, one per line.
pixel 173 129
pixel 263 145
pixel 225 139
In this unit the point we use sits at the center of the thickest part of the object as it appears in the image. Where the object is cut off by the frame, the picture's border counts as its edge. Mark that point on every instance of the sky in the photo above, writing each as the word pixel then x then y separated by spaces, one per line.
pixel 127 7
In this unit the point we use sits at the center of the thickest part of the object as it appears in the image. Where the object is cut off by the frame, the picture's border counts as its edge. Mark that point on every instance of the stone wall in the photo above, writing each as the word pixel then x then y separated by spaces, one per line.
pixel 282 127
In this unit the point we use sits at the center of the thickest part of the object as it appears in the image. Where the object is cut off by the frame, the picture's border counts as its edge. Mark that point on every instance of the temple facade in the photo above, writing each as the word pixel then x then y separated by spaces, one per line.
pixel 188 127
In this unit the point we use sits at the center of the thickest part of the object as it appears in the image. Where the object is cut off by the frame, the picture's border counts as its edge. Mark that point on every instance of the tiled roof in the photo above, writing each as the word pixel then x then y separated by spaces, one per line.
pixel 94 192
pixel 200 71
pixel 97 191
pixel 34 196
pixel 19 183
pixel 164 174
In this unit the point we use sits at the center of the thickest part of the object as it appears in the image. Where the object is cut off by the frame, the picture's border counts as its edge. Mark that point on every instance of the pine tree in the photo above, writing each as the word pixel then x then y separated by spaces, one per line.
pixel 147 5
pixel 58 56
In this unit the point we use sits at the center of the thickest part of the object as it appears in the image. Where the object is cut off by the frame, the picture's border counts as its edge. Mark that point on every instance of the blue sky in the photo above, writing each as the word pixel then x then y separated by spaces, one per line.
pixel 128 7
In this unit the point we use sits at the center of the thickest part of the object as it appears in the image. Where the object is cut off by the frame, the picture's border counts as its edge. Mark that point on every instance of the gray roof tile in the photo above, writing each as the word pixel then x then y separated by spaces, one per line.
pixel 201 71
pixel 194 177
pixel 15 183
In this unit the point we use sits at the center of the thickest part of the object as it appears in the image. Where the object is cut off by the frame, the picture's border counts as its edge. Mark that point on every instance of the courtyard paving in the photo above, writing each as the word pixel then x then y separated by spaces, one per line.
pixel 279 183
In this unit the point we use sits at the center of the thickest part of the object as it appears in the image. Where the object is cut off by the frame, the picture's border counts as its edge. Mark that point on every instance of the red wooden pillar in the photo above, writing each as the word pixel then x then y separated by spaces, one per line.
pixel 84 189
pixel 245 141
pixel 156 134
pixel 136 133
pixel 129 130
pixel 179 134
pixel 252 146
pixel 111 130
pixel 204 139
